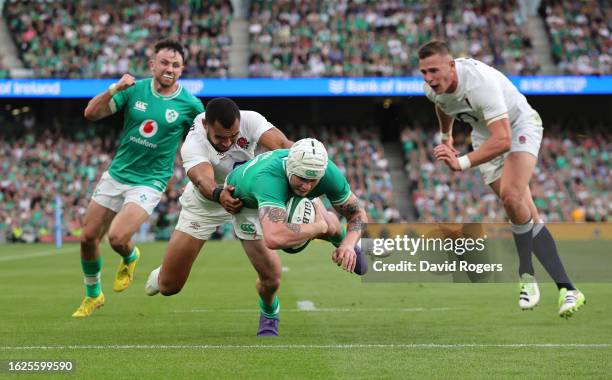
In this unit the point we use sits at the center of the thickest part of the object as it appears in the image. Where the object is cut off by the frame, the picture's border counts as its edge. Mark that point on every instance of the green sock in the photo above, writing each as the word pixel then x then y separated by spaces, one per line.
pixel 336 240
pixel 270 311
pixel 132 256
pixel 93 282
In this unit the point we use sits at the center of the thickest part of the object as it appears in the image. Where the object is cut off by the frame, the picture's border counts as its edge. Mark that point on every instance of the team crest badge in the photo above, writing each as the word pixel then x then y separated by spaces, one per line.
pixel 171 115
pixel 243 143
pixel 522 139
pixel 148 128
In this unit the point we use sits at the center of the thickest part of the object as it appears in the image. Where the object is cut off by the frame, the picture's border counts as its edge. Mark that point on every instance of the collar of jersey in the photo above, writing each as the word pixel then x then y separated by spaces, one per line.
pixel 168 97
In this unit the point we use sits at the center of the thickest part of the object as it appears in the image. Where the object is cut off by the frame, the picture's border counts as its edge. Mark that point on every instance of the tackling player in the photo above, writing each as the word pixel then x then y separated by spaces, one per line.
pixel 506 135
pixel 157 111
pixel 264 185
pixel 220 139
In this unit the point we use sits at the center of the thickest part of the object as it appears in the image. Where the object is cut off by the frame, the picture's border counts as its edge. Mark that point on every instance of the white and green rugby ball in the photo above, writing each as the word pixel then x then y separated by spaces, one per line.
pixel 300 211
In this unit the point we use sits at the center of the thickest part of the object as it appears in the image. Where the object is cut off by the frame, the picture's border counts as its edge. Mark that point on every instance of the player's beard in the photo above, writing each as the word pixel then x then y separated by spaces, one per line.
pixel 217 147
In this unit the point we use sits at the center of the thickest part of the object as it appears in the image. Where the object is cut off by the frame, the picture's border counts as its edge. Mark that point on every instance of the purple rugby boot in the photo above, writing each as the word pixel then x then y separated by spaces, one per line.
pixel 267 326
pixel 361 266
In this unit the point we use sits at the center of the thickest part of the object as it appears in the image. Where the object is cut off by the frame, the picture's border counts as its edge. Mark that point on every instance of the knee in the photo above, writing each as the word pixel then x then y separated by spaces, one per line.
pixel 512 199
pixel 118 240
pixel 271 283
pixel 169 287
pixel 89 238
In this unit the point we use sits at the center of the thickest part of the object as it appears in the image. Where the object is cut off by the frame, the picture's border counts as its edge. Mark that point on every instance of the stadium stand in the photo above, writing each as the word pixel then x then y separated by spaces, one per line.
pixel 579 31
pixel 85 39
pixel 380 38
pixel 93 39
pixel 571 182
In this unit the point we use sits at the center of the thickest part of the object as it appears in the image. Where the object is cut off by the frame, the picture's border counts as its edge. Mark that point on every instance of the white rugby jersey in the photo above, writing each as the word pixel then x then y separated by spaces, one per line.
pixel 483 93
pixel 197 149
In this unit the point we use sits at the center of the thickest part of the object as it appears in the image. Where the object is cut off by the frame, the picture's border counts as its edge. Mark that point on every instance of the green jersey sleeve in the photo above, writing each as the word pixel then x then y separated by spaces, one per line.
pixel 334 185
pixel 120 99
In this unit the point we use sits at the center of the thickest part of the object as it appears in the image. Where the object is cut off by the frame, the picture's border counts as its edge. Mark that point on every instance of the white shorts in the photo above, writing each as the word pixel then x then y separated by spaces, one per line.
pixel 113 194
pixel 198 226
pixel 525 138
pixel 246 224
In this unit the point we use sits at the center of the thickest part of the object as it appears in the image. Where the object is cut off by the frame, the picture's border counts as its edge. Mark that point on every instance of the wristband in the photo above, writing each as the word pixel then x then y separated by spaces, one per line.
pixel 216 194
pixel 112 89
pixel 445 136
pixel 464 162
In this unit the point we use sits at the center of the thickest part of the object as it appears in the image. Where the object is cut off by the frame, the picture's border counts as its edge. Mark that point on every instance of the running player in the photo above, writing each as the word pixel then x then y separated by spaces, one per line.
pixel 157 112
pixel 506 136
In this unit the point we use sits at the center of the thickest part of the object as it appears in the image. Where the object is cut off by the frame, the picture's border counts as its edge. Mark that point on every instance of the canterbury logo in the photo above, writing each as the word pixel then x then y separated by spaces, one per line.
pixel 248 228
pixel 140 106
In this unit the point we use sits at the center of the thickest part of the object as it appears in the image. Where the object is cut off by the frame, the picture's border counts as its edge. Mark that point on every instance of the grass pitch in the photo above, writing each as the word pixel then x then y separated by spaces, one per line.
pixel 356 330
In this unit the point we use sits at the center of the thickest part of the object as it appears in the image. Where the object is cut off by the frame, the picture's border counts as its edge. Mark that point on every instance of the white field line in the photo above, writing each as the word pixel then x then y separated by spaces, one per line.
pixel 308 346
pixel 304 309
pixel 306 305
pixel 48 252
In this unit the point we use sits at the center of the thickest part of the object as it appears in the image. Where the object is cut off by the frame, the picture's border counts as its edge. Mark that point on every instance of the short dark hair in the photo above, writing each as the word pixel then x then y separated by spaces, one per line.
pixel 222 110
pixel 170 45
pixel 433 47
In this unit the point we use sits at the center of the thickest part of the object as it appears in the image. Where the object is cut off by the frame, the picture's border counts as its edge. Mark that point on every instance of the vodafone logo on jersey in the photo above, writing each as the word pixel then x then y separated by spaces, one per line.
pixel 148 128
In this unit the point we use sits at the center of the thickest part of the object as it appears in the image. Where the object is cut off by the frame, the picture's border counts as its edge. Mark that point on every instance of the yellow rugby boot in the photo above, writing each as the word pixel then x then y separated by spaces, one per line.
pixel 88 306
pixel 125 273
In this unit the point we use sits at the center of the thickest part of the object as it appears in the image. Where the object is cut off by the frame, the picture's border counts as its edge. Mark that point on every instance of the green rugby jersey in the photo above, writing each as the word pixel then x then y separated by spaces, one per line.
pixel 262 182
pixel 153 127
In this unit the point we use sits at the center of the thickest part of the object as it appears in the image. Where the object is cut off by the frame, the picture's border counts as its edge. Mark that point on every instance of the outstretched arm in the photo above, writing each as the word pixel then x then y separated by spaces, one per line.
pixel 99 107
pixel 356 216
pixel 279 234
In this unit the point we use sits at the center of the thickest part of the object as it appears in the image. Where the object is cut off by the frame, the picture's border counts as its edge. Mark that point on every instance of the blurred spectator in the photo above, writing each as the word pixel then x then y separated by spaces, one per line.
pixel 4 71
pixel 92 39
pixel 580 36
pixel 380 38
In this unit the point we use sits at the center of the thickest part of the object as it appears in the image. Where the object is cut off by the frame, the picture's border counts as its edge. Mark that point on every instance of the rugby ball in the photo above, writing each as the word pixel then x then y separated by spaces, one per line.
pixel 300 211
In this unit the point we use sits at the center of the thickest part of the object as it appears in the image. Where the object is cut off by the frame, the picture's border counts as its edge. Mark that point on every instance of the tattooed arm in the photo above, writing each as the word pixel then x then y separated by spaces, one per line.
pixel 356 216
pixel 279 234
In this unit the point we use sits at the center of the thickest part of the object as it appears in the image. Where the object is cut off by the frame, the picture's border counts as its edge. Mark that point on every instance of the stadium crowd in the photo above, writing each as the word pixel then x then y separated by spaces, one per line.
pixel 36 167
pixel 93 39
pixel 380 38
pixel 571 182
pixel 580 36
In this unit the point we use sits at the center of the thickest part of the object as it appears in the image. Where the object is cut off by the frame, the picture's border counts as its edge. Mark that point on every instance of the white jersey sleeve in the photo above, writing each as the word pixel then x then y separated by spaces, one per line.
pixel 193 151
pixel 255 124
